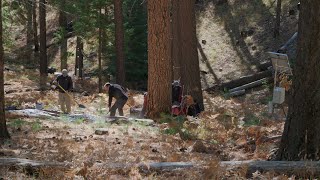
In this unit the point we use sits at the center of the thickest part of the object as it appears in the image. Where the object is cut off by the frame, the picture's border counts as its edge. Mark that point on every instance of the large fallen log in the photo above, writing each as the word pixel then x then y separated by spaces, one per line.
pixel 299 168
pixel 241 81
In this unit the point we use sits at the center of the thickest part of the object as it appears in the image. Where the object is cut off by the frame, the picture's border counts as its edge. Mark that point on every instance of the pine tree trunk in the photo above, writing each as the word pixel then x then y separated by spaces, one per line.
pixel 76 64
pixel 29 31
pixel 118 17
pixel 43 44
pixel 3 127
pixel 79 57
pixel 176 44
pixel 190 70
pixel 35 26
pixel 301 134
pixel 100 52
pixel 277 22
pixel 64 41
pixel 159 58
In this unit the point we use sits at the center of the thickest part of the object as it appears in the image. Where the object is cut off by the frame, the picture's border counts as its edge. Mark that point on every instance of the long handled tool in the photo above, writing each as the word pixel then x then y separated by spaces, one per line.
pixel 80 105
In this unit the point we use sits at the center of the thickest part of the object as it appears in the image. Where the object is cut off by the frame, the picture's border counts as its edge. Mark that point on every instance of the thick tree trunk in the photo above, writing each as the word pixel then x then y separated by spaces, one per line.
pixel 190 71
pixel 29 31
pixel 276 32
pixel 64 41
pixel 100 52
pixel 159 60
pixel 301 136
pixel 35 26
pixel 118 18
pixel 43 42
pixel 3 127
pixel 175 38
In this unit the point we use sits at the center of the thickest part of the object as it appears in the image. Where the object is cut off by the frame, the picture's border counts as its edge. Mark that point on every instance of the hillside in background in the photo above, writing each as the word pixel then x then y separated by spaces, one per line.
pixel 234 36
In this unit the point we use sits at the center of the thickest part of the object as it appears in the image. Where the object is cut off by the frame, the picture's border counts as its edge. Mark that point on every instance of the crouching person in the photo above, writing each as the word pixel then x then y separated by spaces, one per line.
pixel 119 93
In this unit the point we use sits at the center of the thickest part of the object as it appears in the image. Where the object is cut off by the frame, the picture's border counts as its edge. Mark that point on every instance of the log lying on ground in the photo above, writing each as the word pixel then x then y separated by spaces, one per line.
pixel 17 162
pixel 156 166
pixel 237 93
pixel 299 168
pixel 250 85
pixel 241 81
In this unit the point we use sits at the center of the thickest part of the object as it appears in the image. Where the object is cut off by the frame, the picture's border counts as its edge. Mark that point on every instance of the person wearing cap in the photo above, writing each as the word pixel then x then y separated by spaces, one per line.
pixel 65 81
pixel 119 93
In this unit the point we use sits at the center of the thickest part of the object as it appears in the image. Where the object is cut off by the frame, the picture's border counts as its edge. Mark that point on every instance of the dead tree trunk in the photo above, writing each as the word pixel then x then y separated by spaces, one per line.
pixel 35 26
pixel 64 41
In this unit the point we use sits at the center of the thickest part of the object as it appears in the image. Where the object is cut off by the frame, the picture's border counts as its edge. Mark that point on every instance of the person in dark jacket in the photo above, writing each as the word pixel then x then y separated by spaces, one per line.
pixel 119 93
pixel 65 81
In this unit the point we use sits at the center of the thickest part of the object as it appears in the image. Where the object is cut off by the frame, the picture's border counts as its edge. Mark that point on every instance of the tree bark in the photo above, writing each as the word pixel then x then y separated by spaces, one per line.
pixel 29 31
pixel 100 51
pixel 301 135
pixel 118 18
pixel 79 58
pixel 190 70
pixel 64 41
pixel 276 32
pixel 159 58
pixel 3 127
pixel 175 38
pixel 43 47
pixel 35 26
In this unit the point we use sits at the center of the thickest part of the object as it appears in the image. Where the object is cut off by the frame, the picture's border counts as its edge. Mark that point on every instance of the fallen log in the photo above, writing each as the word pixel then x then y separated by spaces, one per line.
pixel 298 168
pixel 27 163
pixel 156 166
pixel 241 81
pixel 237 93
pixel 250 85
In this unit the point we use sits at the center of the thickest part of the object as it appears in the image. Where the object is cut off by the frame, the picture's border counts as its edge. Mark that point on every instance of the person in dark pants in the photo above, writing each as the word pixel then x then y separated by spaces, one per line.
pixel 119 93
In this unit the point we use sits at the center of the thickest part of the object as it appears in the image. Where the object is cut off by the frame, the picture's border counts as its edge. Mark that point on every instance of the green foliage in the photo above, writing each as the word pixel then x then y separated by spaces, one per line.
pixel 251 120
pixel 17 123
pixel 36 126
pixel 176 125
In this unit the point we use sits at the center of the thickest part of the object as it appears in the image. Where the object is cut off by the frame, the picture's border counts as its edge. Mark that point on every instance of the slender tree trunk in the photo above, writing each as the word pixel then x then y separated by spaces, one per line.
pixel 3 127
pixel 29 31
pixel 43 44
pixel 79 58
pixel 99 52
pixel 76 64
pixel 278 20
pixel 190 70
pixel 301 135
pixel 159 58
pixel 176 45
pixel 64 41
pixel 118 17
pixel 35 26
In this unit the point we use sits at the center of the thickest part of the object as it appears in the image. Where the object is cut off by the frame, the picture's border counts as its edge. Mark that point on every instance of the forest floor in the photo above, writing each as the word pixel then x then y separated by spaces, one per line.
pixel 229 129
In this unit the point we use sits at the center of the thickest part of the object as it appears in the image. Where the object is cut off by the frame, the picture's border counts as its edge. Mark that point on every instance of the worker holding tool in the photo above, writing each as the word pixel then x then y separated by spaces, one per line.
pixel 64 84
pixel 119 93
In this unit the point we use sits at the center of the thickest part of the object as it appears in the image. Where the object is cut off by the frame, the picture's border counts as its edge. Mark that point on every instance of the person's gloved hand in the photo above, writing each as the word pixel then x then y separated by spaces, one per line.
pixel 55 82
pixel 71 90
